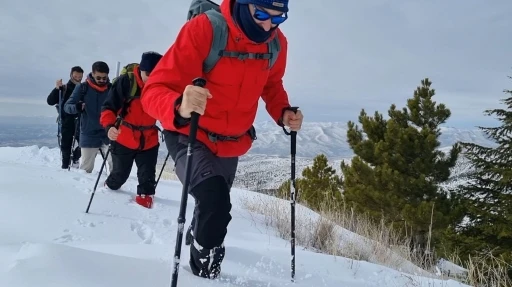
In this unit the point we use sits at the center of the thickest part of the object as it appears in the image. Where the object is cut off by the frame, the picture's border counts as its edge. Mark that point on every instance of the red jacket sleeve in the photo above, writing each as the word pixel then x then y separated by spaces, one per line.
pixel 274 95
pixel 178 67
pixel 107 118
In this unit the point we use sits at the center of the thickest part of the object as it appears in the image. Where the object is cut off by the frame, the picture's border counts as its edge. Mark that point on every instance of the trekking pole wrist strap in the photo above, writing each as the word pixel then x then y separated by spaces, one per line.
pixel 179 121
pixel 293 109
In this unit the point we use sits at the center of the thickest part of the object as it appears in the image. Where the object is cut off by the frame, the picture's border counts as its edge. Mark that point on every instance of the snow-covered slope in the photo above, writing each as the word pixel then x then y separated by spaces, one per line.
pixel 46 239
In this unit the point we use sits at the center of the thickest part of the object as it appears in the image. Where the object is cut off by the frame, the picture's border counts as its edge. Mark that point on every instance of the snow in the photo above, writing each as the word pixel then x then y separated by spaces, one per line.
pixel 450 268
pixel 47 239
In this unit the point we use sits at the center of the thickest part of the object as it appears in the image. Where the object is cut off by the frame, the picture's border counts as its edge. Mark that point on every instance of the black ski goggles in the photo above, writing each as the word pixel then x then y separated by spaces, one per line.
pixel 261 15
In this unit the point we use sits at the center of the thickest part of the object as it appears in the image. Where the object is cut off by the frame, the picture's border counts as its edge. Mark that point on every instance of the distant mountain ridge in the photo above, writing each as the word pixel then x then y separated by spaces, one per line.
pixel 330 138
pixel 267 164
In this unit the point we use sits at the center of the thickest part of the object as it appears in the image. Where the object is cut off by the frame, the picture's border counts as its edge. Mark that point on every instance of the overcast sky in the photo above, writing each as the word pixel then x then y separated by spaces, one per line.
pixel 343 56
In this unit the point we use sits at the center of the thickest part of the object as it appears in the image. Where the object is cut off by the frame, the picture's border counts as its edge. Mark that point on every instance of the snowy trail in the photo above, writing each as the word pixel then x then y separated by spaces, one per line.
pixel 47 239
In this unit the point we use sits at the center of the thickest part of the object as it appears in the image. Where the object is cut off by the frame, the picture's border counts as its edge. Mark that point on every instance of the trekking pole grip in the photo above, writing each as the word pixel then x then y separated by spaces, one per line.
pixel 118 122
pixel 199 82
pixel 292 133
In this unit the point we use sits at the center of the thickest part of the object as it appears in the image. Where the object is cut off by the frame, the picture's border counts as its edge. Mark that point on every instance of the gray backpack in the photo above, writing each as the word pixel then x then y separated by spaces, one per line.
pixel 220 37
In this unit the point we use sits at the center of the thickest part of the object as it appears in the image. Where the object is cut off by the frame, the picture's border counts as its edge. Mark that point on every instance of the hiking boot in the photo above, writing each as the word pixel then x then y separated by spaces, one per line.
pixel 144 200
pixel 204 262
pixel 76 154
pixel 189 237
pixel 75 164
pixel 65 163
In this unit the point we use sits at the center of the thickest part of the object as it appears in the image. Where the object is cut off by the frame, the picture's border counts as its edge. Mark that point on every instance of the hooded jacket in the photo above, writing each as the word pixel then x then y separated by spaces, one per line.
pixel 236 85
pixel 92 134
pixel 138 129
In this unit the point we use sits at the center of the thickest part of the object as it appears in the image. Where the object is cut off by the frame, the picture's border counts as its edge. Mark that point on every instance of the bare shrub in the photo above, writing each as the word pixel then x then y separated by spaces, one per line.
pixel 488 270
pixel 334 230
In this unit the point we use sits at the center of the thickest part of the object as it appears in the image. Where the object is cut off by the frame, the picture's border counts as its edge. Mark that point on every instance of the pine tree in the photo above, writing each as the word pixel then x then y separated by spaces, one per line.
pixel 319 184
pixel 487 226
pixel 397 166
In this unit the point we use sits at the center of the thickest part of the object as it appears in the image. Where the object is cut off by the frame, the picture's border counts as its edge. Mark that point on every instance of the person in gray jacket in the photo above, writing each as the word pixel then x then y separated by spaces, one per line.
pixel 86 100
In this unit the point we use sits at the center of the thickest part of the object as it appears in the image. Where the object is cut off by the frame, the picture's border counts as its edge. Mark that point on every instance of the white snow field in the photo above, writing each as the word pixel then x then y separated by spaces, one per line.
pixel 47 239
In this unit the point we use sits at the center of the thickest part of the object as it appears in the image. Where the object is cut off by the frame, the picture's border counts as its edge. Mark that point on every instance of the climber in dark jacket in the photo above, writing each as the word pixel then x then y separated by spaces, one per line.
pixel 86 100
pixel 67 122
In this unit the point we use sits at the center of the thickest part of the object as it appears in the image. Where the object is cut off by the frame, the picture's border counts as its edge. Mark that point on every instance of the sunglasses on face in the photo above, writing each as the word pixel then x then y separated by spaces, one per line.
pixel 261 15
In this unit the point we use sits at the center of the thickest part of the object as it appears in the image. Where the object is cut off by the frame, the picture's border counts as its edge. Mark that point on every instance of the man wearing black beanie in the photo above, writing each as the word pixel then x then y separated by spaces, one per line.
pixel 137 136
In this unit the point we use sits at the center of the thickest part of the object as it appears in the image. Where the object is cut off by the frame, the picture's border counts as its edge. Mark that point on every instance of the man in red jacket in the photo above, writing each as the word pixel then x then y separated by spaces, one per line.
pixel 137 137
pixel 227 105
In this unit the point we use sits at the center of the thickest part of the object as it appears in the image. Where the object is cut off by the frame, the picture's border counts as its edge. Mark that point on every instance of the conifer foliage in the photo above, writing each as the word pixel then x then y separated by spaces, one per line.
pixel 318 185
pixel 487 227
pixel 397 166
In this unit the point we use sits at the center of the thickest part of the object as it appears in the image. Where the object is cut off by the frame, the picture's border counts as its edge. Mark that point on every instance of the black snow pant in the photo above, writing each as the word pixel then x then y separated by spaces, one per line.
pixel 122 162
pixel 68 131
pixel 210 184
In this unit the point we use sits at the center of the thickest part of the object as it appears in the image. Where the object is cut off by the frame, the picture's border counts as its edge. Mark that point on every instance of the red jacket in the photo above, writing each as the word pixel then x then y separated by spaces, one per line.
pixel 135 116
pixel 235 85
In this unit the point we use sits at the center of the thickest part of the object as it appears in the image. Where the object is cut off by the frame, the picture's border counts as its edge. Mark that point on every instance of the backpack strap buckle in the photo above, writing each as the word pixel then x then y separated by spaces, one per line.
pixel 213 137
pixel 243 56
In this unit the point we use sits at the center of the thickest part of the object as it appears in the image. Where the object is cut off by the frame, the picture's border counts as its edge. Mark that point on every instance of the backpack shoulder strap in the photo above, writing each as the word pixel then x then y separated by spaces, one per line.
pixel 133 86
pixel 274 47
pixel 220 38
pixel 134 93
pixel 219 41
pixel 84 86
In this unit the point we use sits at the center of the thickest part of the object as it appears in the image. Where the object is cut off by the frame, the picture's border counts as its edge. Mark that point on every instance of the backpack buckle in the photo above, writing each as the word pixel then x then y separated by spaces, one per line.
pixel 212 137
pixel 260 56
pixel 243 56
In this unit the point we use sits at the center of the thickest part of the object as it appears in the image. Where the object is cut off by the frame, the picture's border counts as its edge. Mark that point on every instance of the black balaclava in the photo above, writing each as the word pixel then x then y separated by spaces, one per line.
pixel 242 16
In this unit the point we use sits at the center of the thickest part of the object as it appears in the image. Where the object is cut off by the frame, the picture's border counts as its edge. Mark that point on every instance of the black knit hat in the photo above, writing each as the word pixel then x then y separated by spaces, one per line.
pixel 279 5
pixel 149 60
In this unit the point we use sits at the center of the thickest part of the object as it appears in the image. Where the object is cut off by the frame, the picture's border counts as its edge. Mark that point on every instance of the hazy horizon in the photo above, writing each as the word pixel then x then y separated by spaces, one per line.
pixel 343 56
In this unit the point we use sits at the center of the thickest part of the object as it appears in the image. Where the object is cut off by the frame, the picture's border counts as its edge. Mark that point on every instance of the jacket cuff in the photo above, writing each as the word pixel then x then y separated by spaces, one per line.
pixel 108 127
pixel 280 121
pixel 179 121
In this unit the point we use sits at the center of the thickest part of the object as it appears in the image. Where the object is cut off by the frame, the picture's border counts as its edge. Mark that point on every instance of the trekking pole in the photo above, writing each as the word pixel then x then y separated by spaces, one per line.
pixel 293 188
pixel 72 157
pixel 118 68
pixel 116 125
pixel 162 170
pixel 59 125
pixel 104 157
pixel 184 193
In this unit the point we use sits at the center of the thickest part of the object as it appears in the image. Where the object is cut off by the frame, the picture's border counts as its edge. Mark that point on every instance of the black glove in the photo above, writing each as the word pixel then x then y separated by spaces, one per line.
pixel 79 107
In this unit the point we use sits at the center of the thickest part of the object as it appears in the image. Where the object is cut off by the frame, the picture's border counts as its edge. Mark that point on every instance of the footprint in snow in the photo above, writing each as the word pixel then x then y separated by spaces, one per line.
pixel 167 222
pixel 81 179
pixel 84 223
pixel 146 233
pixel 66 238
